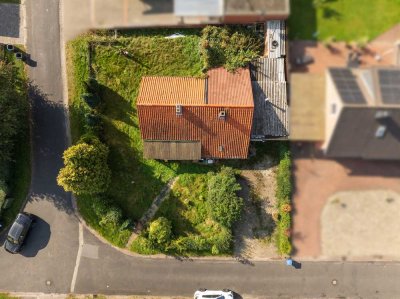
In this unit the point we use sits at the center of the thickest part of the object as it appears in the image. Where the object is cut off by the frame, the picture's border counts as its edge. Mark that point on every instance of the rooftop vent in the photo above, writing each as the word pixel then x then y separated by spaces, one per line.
pixel 274 44
pixel 221 148
pixel 222 114
pixel 380 132
pixel 178 109
pixel 380 114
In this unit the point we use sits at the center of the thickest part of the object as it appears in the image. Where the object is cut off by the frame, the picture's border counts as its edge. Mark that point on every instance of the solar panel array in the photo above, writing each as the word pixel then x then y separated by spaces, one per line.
pixel 347 86
pixel 389 83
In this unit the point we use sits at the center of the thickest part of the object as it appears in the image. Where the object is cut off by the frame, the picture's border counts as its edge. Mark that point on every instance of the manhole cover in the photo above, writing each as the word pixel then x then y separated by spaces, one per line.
pixel 48 282
pixel 334 282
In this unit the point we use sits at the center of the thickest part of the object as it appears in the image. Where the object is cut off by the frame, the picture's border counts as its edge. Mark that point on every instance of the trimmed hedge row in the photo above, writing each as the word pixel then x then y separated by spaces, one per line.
pixel 283 193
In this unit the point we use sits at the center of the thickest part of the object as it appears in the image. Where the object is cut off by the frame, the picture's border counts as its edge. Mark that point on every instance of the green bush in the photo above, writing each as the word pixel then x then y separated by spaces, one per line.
pixel 221 242
pixel 231 47
pixel 112 217
pixel 224 204
pixel 142 245
pixel 13 108
pixel 3 192
pixel 85 168
pixel 160 231
pixel 190 244
pixel 283 194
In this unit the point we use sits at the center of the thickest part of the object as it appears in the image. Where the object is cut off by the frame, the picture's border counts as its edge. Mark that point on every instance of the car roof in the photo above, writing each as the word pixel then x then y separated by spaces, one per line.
pixel 20 222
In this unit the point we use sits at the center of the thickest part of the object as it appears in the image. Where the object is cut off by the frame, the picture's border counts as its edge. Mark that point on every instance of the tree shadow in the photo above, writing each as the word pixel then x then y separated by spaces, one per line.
pixel 49 140
pixel 330 13
pixel 37 239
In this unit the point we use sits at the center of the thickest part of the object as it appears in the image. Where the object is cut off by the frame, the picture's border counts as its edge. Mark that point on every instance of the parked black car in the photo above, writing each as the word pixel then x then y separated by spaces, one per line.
pixel 18 232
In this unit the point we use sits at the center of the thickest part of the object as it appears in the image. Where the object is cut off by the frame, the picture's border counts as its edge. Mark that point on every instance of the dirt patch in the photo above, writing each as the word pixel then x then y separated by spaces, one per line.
pixel 253 233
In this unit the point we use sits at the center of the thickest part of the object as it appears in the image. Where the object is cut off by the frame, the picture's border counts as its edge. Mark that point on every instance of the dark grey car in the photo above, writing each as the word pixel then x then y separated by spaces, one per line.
pixel 18 232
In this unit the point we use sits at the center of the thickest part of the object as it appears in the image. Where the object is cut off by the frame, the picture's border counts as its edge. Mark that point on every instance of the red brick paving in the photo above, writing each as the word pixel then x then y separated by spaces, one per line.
pixel 317 179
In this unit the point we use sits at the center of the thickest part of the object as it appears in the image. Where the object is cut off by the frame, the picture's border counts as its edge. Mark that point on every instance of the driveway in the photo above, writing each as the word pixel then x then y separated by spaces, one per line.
pixel 317 178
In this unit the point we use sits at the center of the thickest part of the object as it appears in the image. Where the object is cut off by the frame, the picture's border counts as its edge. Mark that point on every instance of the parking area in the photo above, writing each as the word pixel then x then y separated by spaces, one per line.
pixel 316 179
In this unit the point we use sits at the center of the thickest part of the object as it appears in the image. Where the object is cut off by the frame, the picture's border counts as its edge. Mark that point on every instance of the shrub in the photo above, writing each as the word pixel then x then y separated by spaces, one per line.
pixel 12 108
pixel 142 245
pixel 85 168
pixel 160 231
pixel 112 217
pixel 191 243
pixel 3 193
pixel 231 47
pixel 221 242
pixel 224 204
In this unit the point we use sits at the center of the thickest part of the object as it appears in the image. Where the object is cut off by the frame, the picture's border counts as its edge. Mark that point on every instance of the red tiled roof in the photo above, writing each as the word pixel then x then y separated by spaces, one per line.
pixel 171 91
pixel 227 139
pixel 229 89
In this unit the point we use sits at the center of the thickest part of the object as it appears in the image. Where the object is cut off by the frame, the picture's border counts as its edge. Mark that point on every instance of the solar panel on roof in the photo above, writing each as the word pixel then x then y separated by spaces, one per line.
pixel 347 86
pixel 389 83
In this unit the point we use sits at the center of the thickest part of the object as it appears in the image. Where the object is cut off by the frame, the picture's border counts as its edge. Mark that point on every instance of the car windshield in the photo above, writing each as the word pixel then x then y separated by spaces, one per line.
pixel 12 240
pixel 214 296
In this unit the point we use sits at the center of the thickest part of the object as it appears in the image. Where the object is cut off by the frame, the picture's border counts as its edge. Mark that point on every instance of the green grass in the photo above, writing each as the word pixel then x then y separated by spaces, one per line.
pixel 135 181
pixel 20 174
pixel 346 20
pixel 6 296
pixel 10 1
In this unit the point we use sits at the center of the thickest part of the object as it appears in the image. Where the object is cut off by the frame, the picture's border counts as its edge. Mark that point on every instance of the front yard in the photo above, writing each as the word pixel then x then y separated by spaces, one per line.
pixel 345 20
pixel 118 64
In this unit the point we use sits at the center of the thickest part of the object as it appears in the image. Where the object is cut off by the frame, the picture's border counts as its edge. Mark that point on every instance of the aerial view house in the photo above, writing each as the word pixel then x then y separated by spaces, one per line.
pixel 363 113
pixel 192 118
pixel 217 117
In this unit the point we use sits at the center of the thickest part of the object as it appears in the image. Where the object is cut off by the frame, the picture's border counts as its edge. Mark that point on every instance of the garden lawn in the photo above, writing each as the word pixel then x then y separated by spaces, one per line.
pixel 135 181
pixel 346 20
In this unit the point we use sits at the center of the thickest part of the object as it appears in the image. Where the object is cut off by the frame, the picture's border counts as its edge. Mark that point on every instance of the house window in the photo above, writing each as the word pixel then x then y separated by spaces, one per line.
pixel 333 108
pixel 380 132
pixel 178 109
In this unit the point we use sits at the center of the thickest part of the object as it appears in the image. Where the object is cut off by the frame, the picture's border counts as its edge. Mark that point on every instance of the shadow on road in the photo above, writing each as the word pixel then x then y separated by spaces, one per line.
pixel 37 239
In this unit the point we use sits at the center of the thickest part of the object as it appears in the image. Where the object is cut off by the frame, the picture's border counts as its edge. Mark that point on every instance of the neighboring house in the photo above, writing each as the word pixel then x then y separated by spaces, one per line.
pixel 363 113
pixel 348 110
pixel 191 118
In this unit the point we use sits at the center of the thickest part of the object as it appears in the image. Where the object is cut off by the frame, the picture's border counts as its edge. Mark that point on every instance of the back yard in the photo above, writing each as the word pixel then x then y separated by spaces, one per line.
pixel 345 20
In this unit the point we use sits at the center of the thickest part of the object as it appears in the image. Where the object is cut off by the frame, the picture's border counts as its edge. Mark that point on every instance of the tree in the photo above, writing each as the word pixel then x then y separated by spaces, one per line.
pixel 160 231
pixel 85 168
pixel 13 106
pixel 225 206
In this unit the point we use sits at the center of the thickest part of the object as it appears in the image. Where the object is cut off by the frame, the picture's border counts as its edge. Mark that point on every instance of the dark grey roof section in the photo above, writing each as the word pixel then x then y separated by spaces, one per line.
pixel 263 7
pixel 270 109
pixel 347 86
pixel 368 133
pixel 389 83
pixel 270 98
pixel 276 38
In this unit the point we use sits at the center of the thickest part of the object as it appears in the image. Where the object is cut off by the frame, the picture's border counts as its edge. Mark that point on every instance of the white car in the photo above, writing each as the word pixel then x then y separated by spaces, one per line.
pixel 204 293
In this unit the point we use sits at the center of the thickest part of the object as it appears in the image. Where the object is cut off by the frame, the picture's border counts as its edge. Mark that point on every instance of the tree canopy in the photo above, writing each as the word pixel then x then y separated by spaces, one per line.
pixel 85 168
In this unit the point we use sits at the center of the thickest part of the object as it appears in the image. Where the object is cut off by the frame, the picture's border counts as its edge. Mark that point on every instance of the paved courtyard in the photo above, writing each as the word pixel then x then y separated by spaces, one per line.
pixel 317 179
pixel 361 224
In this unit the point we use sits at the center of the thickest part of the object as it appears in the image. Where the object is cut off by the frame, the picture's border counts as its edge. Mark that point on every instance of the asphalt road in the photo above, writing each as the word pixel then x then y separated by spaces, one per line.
pixel 48 262
pixel 52 246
